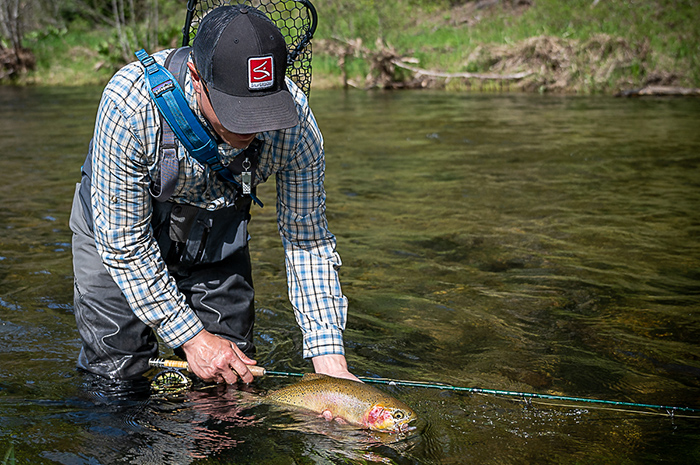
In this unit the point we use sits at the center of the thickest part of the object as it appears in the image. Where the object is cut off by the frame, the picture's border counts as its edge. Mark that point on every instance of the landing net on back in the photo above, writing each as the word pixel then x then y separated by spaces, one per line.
pixel 296 19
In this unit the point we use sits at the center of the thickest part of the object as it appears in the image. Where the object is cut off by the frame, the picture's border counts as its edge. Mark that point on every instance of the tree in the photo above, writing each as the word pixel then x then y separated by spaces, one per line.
pixel 14 59
pixel 129 19
pixel 134 22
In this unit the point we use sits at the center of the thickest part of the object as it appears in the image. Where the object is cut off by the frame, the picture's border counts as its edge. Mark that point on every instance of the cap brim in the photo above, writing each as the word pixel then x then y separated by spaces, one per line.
pixel 249 115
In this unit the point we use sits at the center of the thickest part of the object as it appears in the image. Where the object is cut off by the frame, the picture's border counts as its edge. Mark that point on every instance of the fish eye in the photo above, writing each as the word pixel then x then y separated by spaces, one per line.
pixel 398 415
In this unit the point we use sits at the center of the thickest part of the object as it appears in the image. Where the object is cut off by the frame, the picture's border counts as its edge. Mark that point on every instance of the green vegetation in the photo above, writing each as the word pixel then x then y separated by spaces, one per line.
pixel 583 46
pixel 573 45
pixel 79 53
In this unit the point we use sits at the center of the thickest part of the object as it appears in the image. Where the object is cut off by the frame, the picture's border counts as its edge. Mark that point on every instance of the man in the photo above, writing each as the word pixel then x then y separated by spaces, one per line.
pixel 180 265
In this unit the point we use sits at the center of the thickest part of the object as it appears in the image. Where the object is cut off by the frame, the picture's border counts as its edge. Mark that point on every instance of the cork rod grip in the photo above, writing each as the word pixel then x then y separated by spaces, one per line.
pixel 163 363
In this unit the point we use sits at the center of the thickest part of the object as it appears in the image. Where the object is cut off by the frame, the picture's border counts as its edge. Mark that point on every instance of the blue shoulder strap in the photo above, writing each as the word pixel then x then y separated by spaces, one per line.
pixel 172 105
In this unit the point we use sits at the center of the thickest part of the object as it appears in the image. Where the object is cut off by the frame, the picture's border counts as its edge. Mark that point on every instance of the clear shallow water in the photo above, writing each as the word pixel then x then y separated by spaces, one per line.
pixel 527 243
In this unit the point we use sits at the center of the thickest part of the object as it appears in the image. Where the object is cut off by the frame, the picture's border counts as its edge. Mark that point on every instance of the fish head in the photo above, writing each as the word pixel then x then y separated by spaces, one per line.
pixel 390 418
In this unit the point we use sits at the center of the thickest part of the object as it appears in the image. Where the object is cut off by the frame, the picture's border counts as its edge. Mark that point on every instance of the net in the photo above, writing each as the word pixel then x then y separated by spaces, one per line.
pixel 296 19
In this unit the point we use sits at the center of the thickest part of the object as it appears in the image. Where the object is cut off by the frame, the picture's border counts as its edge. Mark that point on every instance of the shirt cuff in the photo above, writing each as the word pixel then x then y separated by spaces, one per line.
pixel 323 342
pixel 180 328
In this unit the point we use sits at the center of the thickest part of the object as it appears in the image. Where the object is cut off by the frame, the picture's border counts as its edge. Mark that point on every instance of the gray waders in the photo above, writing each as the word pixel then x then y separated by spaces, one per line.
pixel 207 254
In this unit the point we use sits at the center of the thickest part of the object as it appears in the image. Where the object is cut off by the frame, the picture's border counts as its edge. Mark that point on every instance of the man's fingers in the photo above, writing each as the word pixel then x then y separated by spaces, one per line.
pixel 239 365
pixel 243 372
pixel 241 355
pixel 217 359
pixel 225 367
pixel 219 376
pixel 229 367
pixel 229 376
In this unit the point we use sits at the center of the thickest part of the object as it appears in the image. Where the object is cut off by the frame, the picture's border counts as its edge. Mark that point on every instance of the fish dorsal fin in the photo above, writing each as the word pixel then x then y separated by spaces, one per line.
pixel 311 376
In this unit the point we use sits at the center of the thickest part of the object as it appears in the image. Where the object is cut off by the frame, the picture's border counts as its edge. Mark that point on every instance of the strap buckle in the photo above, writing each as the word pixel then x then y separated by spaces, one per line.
pixel 146 60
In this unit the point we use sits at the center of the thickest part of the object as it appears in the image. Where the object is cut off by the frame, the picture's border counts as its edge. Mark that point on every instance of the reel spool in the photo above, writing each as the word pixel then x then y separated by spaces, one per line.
pixel 170 381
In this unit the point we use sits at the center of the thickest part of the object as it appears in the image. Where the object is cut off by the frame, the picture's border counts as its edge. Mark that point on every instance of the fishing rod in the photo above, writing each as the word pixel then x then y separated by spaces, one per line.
pixel 258 371
pixel 527 395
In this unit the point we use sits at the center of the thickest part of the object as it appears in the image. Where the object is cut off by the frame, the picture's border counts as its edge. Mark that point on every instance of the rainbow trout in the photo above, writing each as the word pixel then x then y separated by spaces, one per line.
pixel 344 399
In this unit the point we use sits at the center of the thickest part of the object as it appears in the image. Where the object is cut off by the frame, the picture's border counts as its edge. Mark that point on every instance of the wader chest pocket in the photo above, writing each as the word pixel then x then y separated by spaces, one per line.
pixel 181 219
pixel 189 235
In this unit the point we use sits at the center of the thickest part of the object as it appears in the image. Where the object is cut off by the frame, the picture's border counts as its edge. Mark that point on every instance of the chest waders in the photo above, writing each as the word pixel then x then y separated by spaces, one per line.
pixel 205 251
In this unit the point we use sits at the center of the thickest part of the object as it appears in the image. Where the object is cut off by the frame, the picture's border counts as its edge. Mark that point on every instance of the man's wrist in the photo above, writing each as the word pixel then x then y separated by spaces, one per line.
pixel 333 365
pixel 330 363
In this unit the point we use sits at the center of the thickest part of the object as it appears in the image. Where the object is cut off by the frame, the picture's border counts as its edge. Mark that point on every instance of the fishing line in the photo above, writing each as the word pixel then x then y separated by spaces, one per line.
pixel 607 409
pixel 528 395
pixel 260 371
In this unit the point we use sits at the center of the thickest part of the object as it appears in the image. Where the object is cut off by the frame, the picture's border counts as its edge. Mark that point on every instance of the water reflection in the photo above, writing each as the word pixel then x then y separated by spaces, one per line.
pixel 212 421
pixel 523 243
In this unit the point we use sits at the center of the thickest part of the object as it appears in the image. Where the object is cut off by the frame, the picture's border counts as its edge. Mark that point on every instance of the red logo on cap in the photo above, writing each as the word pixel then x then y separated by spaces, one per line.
pixel 260 73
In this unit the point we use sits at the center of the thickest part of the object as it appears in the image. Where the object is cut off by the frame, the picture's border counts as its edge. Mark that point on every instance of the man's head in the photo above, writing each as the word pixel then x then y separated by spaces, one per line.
pixel 241 57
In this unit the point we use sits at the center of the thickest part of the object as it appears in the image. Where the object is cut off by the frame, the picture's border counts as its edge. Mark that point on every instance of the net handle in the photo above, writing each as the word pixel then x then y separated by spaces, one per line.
pixel 192 4
pixel 306 38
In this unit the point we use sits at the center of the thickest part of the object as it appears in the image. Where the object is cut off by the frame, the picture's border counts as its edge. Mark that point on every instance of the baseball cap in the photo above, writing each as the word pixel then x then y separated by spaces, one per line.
pixel 242 57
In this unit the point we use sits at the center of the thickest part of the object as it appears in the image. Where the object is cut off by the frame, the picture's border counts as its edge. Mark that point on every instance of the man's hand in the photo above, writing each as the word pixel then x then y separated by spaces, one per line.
pixel 214 358
pixel 333 365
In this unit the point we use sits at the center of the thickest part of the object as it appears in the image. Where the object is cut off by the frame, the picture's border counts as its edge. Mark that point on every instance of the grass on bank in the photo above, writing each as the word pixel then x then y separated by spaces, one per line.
pixel 662 34
pixel 84 54
pixel 70 57
pixel 574 45
pixel 601 45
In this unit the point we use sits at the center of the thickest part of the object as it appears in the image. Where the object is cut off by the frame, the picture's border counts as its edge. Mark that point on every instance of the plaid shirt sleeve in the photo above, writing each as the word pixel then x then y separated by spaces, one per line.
pixel 124 160
pixel 311 259
pixel 124 147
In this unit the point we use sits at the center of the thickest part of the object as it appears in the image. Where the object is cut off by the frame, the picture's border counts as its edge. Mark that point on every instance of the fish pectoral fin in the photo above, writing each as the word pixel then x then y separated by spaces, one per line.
pixel 328 415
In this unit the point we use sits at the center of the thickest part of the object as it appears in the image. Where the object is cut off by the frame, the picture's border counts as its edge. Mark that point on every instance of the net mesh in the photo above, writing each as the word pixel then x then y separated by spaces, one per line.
pixel 296 20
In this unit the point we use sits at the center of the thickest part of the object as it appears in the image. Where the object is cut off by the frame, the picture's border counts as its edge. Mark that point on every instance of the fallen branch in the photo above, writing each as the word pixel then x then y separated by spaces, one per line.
pixel 659 90
pixel 489 76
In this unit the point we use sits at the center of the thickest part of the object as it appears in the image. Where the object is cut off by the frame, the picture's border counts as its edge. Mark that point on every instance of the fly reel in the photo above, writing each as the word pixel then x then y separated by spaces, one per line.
pixel 170 381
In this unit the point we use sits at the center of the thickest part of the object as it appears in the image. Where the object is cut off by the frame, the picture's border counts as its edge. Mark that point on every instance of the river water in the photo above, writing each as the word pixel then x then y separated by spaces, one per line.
pixel 523 243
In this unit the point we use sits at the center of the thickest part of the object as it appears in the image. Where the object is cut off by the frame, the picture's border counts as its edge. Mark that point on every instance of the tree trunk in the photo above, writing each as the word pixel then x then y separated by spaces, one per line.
pixel 15 60
pixel 11 23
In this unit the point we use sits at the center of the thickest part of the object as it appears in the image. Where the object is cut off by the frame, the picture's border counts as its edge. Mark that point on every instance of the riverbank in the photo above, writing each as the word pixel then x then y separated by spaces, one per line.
pixel 580 46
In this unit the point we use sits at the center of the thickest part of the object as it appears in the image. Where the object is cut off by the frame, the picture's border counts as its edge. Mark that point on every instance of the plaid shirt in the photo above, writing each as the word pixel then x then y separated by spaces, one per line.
pixel 124 161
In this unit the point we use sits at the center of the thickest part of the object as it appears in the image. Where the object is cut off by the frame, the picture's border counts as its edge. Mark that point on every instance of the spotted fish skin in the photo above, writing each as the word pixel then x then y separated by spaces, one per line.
pixel 352 401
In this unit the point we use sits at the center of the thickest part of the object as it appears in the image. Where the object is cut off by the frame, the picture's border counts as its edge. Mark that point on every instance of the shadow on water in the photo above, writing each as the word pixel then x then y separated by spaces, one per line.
pixel 514 242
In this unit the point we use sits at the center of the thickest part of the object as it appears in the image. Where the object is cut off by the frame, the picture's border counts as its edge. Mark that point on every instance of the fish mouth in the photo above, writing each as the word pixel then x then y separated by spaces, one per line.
pixel 406 427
